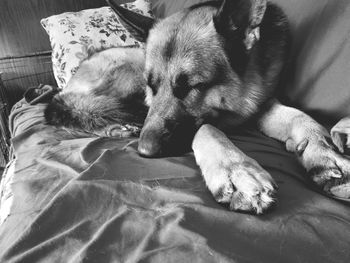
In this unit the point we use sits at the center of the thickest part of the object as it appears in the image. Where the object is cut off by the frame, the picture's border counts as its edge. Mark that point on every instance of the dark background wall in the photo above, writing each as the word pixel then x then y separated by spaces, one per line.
pixel 20 30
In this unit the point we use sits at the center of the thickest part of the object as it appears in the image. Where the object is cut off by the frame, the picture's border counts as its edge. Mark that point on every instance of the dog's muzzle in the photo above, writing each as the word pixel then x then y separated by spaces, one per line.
pixel 162 137
pixel 149 143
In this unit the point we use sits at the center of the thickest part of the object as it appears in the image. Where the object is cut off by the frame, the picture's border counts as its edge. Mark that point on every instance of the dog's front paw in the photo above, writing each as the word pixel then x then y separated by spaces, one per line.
pixel 327 168
pixel 245 186
pixel 232 177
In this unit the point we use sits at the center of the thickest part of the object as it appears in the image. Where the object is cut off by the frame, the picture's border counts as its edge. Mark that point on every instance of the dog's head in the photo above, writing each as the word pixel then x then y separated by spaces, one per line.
pixel 194 60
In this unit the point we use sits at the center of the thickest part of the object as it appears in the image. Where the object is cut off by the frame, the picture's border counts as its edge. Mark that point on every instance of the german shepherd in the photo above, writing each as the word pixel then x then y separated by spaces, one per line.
pixel 208 68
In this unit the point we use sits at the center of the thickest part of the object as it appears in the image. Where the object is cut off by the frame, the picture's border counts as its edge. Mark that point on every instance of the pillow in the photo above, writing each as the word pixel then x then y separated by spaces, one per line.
pixel 73 35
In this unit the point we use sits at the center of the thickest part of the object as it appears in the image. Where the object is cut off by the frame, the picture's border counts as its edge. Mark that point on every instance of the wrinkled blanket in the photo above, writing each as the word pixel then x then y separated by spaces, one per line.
pixel 88 199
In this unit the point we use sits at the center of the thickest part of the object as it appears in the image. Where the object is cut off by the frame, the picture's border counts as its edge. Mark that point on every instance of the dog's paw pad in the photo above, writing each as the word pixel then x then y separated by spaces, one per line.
pixel 256 203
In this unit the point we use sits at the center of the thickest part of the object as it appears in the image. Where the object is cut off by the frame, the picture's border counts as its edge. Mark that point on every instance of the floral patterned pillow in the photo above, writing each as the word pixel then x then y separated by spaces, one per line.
pixel 73 35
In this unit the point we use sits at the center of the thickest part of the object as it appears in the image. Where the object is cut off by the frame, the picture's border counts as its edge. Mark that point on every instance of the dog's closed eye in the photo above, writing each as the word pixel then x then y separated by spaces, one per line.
pixel 181 86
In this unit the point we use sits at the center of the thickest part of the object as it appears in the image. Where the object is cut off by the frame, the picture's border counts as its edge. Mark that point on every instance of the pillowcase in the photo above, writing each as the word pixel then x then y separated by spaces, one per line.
pixel 74 35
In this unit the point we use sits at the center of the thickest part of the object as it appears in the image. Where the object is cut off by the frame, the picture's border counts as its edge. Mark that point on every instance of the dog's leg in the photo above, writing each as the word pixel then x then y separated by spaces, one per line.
pixel 231 176
pixel 313 146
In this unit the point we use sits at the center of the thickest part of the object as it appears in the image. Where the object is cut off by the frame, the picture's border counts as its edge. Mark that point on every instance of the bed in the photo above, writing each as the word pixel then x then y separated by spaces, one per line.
pixel 77 198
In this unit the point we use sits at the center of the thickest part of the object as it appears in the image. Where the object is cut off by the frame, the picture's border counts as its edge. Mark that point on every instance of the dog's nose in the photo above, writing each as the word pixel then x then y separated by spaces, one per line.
pixel 149 149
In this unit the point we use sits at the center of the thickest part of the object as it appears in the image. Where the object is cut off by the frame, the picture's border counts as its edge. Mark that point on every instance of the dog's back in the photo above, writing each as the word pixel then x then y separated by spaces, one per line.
pixel 107 89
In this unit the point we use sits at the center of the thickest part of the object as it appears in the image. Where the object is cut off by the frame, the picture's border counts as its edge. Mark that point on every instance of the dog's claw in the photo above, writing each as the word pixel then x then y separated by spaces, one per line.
pixel 336 174
pixel 301 147
pixel 256 204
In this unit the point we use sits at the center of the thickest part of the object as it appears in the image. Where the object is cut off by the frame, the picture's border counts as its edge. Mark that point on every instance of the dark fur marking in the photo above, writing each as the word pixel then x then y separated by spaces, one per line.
pixel 153 83
pixel 223 100
pixel 181 87
pixel 317 170
pixel 209 3
pixel 169 48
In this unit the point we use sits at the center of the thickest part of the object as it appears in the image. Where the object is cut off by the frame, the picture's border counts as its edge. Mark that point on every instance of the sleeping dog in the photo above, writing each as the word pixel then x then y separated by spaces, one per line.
pixel 205 70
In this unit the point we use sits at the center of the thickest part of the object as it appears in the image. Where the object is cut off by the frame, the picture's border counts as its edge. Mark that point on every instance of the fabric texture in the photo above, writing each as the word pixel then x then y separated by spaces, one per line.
pixel 317 76
pixel 73 35
pixel 82 199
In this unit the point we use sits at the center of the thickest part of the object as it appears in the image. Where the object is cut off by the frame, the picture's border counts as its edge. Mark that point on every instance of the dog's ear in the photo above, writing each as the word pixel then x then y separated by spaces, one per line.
pixel 138 25
pixel 242 16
